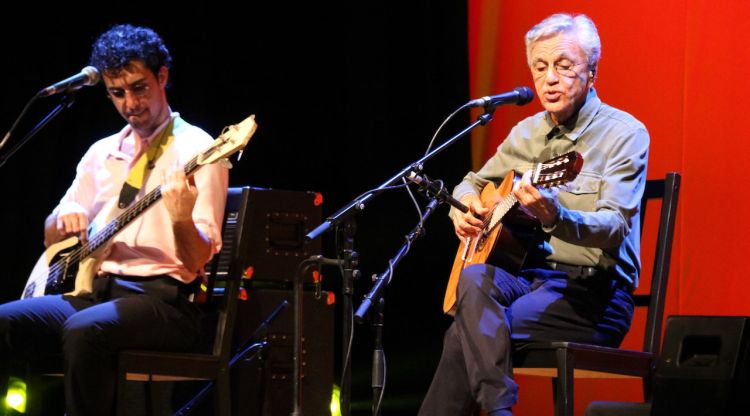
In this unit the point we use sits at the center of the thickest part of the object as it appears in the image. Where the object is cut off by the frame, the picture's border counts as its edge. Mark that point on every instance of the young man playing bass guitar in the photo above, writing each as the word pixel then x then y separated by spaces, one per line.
pixel 137 293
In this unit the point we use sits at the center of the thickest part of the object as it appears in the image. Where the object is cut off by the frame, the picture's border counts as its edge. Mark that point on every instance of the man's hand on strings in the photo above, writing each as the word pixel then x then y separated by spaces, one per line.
pixel 71 224
pixel 179 193
pixel 469 224
pixel 541 204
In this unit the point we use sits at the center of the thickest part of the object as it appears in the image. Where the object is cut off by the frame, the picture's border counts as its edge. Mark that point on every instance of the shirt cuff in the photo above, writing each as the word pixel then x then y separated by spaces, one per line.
pixel 549 228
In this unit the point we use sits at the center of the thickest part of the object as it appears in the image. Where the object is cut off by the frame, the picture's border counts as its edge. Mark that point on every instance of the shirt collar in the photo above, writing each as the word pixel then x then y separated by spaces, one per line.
pixel 578 123
pixel 126 139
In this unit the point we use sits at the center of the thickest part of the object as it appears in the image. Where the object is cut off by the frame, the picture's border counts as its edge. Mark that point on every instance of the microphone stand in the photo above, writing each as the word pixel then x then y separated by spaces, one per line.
pixel 385 277
pixel 349 275
pixel 349 257
pixel 378 358
pixel 431 188
pixel 375 295
pixel 65 102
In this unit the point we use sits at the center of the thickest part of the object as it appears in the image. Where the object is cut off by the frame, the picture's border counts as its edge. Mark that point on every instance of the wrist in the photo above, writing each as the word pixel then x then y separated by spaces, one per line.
pixel 555 220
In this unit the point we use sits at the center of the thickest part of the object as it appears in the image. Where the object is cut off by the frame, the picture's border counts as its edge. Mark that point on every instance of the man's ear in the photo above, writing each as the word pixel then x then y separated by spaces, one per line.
pixel 163 76
pixel 592 76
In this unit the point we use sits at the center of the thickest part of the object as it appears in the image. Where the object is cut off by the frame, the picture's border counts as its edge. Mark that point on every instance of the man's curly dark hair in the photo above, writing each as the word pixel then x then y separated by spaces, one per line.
pixel 124 43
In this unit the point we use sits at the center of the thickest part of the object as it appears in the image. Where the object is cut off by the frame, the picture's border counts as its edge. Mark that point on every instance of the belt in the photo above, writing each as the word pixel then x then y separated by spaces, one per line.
pixel 184 288
pixel 573 271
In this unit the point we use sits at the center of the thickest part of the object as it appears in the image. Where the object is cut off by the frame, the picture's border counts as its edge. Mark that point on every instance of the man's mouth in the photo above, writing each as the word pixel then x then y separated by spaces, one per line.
pixel 552 95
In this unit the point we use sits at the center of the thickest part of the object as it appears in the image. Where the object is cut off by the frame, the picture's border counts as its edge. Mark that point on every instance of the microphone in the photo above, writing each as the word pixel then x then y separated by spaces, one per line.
pixel 88 76
pixel 436 188
pixel 519 96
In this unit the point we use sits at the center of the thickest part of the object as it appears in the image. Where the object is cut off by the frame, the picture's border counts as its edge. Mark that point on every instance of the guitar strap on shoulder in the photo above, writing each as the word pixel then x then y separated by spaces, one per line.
pixel 144 165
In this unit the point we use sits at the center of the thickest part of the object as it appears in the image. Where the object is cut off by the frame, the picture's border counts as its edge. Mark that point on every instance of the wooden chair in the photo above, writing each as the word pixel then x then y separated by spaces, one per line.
pixel 227 266
pixel 565 361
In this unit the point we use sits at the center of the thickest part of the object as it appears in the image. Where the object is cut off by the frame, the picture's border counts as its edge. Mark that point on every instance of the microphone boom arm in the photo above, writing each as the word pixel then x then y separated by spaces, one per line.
pixel 65 102
pixel 359 203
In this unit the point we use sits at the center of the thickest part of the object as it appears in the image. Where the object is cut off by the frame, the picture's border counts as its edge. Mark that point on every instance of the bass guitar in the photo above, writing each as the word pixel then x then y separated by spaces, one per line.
pixel 70 265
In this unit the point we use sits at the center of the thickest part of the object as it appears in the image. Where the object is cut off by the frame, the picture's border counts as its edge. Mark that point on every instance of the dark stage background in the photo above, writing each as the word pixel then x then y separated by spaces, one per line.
pixel 345 96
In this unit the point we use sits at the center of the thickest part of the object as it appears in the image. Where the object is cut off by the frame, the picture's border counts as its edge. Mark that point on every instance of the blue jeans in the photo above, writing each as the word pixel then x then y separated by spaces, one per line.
pixel 497 311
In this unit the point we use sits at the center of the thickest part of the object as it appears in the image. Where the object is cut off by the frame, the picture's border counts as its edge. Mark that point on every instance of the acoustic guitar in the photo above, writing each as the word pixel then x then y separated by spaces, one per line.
pixel 494 237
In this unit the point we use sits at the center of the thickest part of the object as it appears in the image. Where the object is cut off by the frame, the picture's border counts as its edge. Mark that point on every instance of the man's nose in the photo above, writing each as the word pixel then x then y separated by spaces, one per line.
pixel 551 76
pixel 131 100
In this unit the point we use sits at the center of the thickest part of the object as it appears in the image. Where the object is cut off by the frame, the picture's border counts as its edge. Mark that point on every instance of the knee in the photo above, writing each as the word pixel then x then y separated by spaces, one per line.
pixel 473 278
pixel 482 280
pixel 486 281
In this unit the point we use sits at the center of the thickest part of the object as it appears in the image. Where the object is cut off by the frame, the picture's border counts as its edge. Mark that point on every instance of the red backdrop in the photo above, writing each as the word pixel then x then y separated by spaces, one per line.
pixel 668 64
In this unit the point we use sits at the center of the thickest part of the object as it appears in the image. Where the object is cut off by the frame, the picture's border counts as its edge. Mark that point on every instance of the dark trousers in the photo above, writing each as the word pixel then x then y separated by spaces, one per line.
pixel 88 331
pixel 497 312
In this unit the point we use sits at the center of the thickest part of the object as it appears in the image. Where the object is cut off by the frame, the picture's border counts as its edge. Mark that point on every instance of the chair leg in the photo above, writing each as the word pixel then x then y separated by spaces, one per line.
pixel 564 383
pixel 33 394
pixel 222 395
pixel 120 396
pixel 647 389
pixel 148 397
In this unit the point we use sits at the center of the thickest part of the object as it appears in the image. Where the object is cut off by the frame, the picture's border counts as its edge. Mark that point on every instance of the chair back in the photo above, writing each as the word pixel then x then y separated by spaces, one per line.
pixel 668 190
pixel 227 267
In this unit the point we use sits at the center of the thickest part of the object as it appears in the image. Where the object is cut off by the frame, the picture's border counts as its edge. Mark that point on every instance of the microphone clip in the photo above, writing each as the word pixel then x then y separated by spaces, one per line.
pixel 435 188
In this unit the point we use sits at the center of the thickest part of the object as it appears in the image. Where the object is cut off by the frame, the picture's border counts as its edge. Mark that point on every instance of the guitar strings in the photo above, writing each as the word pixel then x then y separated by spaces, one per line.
pixel 498 212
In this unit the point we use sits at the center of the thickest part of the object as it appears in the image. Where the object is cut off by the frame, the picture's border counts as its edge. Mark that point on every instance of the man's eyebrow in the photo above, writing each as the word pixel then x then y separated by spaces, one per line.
pixel 136 82
pixel 557 58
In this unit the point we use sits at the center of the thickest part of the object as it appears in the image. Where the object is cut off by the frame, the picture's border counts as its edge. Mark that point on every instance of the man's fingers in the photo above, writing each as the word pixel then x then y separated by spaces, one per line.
pixel 477 207
pixel 73 224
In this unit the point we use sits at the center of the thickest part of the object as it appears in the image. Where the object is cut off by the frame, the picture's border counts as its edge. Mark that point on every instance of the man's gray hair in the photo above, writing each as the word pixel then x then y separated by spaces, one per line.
pixel 579 25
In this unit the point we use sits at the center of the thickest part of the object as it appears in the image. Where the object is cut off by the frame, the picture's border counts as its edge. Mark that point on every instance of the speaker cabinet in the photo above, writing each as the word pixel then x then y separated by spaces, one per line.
pixel 264 386
pixel 704 367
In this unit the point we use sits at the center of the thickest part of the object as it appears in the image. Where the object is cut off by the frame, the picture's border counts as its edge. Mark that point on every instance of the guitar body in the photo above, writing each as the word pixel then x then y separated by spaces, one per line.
pixel 481 250
pixel 45 280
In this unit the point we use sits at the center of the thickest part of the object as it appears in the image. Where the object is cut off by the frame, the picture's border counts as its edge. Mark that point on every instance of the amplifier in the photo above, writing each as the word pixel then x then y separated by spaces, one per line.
pixel 264 387
pixel 278 221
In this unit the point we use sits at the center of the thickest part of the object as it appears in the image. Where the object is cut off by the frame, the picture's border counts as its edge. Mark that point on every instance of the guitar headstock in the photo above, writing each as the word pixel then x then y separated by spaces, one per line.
pixel 234 138
pixel 558 170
